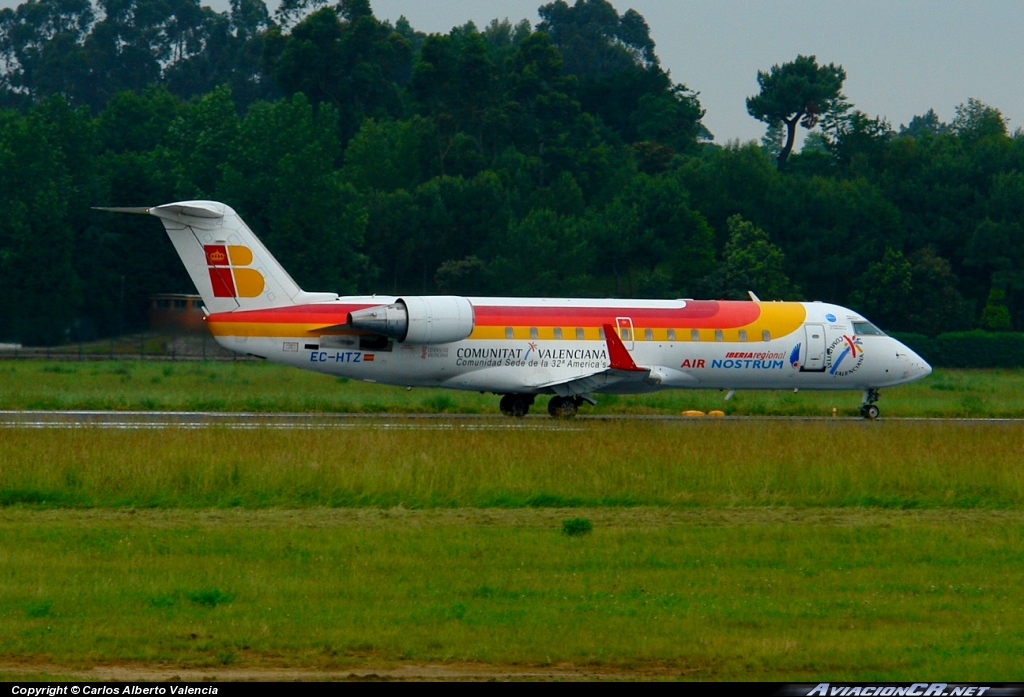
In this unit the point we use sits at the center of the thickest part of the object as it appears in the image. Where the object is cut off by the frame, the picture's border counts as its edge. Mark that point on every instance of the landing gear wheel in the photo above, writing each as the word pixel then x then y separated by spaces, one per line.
pixel 516 405
pixel 563 407
pixel 870 411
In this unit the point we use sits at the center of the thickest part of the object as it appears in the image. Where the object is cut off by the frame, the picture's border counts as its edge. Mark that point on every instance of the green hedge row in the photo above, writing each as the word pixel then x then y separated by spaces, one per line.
pixel 976 349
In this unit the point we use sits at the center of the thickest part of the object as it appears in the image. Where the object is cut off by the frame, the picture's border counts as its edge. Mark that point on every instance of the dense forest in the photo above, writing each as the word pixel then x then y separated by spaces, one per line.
pixel 560 159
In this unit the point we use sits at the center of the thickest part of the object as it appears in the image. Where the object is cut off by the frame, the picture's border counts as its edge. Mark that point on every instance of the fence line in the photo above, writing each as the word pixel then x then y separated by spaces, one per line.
pixel 146 347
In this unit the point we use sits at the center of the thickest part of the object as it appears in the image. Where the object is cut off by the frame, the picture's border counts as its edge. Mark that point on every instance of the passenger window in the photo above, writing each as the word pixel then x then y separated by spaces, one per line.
pixel 579 333
pixel 694 335
pixel 766 335
pixel 718 335
pixel 743 335
pixel 509 334
pixel 533 332
pixel 648 335
pixel 671 334
pixel 558 332
pixel 600 333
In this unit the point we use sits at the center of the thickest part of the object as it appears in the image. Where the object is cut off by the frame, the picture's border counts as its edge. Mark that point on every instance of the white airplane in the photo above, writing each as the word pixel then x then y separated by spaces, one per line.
pixel 519 348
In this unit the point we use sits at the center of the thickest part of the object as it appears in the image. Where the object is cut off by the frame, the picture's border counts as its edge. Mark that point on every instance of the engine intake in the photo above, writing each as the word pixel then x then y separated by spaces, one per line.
pixel 427 319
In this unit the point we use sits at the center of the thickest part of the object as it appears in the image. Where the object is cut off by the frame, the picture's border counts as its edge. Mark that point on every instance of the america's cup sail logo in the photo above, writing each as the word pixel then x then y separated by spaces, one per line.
pixel 845 355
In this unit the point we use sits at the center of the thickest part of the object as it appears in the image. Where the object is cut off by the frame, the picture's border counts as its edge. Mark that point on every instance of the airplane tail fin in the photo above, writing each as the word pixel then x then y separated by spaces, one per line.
pixel 229 266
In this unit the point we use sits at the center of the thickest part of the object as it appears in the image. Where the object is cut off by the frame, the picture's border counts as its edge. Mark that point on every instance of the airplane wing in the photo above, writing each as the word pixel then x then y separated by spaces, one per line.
pixel 501 380
pixel 621 369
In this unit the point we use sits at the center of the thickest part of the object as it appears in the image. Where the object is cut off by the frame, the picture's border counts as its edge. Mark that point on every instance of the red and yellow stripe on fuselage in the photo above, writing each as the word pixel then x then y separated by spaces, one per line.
pixel 706 316
pixel 492 320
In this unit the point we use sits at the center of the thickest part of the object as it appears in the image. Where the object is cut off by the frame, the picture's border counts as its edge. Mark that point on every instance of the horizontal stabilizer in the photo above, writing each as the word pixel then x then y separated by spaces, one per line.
pixel 194 209
pixel 113 209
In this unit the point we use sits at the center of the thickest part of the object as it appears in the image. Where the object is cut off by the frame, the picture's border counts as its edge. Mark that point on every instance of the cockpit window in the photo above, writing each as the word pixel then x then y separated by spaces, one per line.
pixel 867 329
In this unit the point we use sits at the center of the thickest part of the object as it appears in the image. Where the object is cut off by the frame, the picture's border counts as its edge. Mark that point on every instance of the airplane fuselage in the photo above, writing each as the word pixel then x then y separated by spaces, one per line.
pixel 530 346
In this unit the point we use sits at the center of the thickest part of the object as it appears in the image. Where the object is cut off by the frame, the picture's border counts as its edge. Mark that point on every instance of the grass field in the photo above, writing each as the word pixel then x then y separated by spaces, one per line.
pixel 706 463
pixel 781 550
pixel 265 387
pixel 769 594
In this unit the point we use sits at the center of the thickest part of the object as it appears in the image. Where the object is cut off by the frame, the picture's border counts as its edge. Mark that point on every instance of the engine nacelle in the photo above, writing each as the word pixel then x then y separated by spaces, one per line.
pixel 426 319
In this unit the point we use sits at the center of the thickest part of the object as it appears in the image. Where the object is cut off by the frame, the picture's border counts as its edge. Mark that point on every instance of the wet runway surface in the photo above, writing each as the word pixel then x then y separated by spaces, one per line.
pixel 140 420
pixel 133 420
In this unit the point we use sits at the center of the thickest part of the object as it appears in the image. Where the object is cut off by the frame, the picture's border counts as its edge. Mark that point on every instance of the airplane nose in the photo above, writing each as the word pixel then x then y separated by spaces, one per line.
pixel 916 367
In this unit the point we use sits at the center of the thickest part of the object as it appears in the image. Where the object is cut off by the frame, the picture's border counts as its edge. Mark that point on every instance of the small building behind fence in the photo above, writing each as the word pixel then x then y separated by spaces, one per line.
pixel 176 312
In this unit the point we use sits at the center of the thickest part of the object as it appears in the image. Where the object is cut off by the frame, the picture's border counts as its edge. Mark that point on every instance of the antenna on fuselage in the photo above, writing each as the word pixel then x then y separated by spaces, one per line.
pixel 753 297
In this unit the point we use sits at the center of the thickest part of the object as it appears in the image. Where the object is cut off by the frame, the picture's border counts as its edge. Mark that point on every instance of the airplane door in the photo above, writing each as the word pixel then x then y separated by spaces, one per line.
pixel 815 359
pixel 625 327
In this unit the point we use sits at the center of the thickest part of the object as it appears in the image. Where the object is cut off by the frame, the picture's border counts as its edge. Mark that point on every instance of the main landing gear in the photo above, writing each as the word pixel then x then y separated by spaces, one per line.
pixel 869 410
pixel 518 405
pixel 564 407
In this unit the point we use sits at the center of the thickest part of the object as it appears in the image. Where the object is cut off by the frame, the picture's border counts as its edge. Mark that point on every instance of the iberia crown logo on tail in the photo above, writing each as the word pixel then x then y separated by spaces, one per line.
pixel 228 273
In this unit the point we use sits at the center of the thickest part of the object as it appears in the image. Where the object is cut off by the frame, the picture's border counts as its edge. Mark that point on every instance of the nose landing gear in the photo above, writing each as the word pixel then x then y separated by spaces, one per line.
pixel 869 410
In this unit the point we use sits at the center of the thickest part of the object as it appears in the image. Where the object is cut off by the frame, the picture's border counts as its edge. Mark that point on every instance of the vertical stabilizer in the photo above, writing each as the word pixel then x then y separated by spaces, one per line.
pixel 229 266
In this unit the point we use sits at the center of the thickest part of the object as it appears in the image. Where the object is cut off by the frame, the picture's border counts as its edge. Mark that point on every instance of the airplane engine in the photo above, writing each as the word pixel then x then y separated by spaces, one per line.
pixel 427 319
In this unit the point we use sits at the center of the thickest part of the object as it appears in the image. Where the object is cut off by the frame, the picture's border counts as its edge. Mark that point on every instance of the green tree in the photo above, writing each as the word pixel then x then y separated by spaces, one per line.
pixel 458 217
pixel 412 236
pixel 798 92
pixel 41 290
pixel 937 305
pixel 392 241
pixel 773 140
pixel 455 84
pixel 976 120
pixel 924 126
pixel 386 155
pixel 552 247
pixel 468 276
pixel 502 37
pixel 831 229
pixel 221 48
pixel 620 78
pixel 595 40
pixel 651 240
pixel 726 181
pixel 885 292
pixel 42 47
pixel 280 175
pixel 996 316
pixel 199 141
pixel 752 263
pixel 996 248
pixel 856 141
pixel 672 118
pixel 348 63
